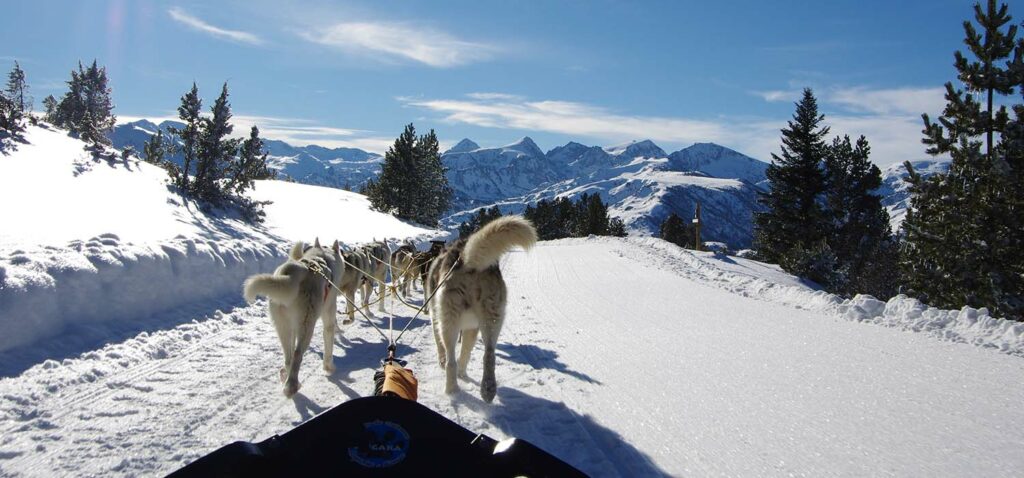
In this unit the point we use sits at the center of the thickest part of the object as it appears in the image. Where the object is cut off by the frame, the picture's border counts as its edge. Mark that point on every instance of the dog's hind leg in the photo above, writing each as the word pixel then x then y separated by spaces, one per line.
pixel 383 293
pixel 449 338
pixel 329 317
pixel 490 327
pixel 468 341
pixel 350 301
pixel 305 335
pixel 435 324
pixel 286 333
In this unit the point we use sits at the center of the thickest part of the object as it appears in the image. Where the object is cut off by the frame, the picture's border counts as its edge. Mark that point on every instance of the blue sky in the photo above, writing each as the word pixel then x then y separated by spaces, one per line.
pixel 598 72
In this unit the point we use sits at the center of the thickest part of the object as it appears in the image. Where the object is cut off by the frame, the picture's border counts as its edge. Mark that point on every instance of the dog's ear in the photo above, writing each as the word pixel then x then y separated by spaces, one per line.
pixel 316 242
pixel 296 252
pixel 336 247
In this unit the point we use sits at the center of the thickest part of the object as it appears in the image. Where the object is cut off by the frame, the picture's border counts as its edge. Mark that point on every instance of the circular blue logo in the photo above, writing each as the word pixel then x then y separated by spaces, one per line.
pixel 384 444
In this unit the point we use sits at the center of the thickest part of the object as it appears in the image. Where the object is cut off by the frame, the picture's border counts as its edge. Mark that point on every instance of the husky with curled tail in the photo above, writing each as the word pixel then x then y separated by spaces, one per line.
pixel 298 295
pixel 472 300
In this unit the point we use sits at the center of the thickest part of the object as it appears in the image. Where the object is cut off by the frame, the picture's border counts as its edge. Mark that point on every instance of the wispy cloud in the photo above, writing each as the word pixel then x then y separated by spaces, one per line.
pixel 512 112
pixel 913 101
pixel 400 41
pixel 778 95
pixel 195 23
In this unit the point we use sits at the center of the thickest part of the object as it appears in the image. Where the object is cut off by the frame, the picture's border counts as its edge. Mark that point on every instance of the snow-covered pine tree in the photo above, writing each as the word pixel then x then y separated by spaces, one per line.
pixel 17 90
pixel 965 230
pixel 675 230
pixel 793 213
pixel 189 136
pixel 861 237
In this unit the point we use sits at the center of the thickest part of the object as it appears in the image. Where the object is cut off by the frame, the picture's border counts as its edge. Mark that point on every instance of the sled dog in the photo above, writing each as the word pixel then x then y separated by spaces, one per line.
pixel 298 295
pixel 352 279
pixel 378 254
pixel 403 267
pixel 473 298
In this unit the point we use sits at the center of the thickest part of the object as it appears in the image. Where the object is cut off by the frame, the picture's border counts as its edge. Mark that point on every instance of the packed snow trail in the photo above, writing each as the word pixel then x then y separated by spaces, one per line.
pixel 614 357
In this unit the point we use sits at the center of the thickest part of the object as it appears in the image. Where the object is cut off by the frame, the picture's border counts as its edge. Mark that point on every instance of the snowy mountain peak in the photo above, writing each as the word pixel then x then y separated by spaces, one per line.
pixel 719 162
pixel 637 149
pixel 464 146
pixel 525 145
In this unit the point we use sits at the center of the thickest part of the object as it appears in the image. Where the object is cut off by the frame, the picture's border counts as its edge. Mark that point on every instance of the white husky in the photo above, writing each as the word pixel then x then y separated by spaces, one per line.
pixel 473 298
pixel 298 295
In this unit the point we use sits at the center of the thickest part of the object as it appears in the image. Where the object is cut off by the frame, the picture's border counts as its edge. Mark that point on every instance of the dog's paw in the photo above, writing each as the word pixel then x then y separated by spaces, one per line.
pixel 451 388
pixel 329 368
pixel 487 391
pixel 291 388
pixel 464 375
pixel 348 321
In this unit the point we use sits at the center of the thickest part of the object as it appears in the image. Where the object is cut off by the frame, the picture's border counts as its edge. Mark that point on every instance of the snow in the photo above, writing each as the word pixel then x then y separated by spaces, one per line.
pixel 93 245
pixel 623 357
pixel 132 353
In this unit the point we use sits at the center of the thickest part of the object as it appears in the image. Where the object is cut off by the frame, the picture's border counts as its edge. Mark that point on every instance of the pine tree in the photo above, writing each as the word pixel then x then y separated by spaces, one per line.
pixel 861 236
pixel 216 151
pixel 86 110
pixel 675 230
pixel 616 227
pixel 251 164
pixel 99 119
pixel 189 135
pixel 965 231
pixel 17 90
pixel 11 124
pixel 793 211
pixel 412 184
pixel 50 104
pixel 155 150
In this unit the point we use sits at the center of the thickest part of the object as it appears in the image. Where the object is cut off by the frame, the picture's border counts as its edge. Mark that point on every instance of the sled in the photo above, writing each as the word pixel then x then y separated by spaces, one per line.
pixel 380 436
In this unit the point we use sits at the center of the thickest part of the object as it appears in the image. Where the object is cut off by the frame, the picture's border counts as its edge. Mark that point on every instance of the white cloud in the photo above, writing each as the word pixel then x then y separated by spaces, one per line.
pixel 180 16
pixel 772 96
pixel 571 118
pixel 911 101
pixel 390 41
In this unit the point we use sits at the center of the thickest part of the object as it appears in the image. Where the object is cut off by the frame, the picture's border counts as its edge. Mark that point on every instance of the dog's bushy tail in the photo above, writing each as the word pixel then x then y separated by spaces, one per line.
pixel 485 247
pixel 279 288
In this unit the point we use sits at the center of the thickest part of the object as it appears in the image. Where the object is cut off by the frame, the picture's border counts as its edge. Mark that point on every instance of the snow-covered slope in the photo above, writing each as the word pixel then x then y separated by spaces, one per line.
pixel 93 243
pixel 623 357
pixel 316 165
pixel 895 191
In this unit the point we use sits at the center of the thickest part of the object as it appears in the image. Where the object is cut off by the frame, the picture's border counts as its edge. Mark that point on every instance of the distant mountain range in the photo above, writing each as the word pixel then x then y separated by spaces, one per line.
pixel 642 183
pixel 317 165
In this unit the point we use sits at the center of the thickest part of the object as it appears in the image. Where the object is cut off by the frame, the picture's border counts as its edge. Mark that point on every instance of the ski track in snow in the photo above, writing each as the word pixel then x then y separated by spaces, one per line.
pixel 620 357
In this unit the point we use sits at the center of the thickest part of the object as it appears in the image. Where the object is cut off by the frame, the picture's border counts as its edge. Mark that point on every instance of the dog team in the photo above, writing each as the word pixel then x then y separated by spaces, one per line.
pixel 468 301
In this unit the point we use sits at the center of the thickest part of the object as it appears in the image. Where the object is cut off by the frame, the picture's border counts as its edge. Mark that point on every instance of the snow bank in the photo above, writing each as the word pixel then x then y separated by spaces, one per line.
pixel 105 280
pixel 768 282
pixel 967 325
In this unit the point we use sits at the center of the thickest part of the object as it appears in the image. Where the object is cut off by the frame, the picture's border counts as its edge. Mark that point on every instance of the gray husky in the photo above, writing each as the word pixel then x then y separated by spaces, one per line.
pixel 379 256
pixel 353 279
pixel 473 298
pixel 298 295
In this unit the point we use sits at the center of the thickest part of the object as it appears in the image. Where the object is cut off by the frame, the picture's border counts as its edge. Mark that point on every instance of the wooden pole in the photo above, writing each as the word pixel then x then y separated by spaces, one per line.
pixel 697 223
